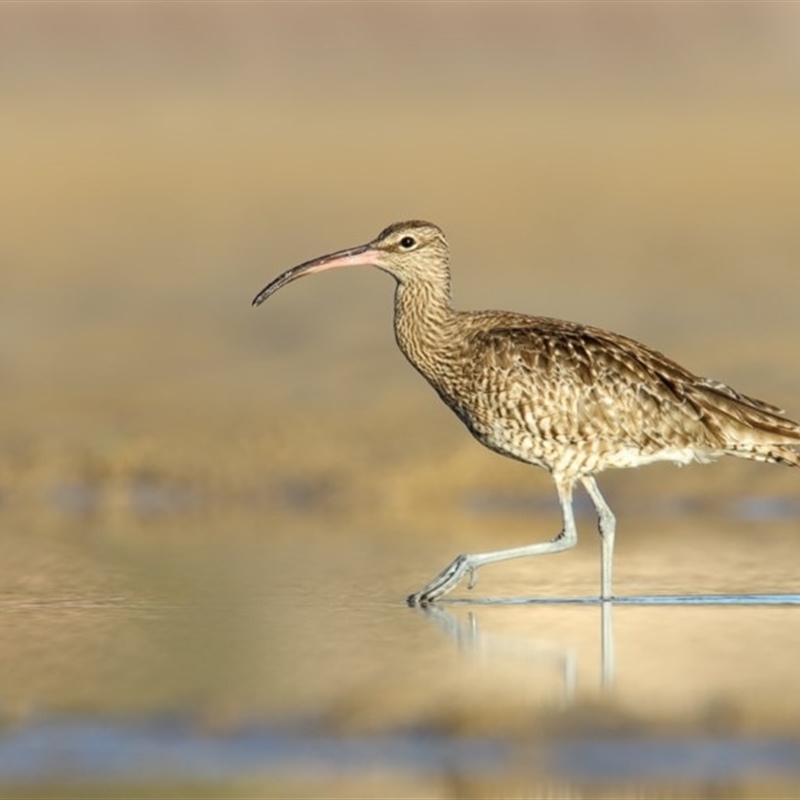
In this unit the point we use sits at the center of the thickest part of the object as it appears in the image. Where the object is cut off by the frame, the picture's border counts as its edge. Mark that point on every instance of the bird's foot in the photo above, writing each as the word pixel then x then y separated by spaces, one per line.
pixel 446 581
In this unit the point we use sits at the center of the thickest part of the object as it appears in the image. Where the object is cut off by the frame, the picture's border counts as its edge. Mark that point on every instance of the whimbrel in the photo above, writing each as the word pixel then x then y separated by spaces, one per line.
pixel 571 398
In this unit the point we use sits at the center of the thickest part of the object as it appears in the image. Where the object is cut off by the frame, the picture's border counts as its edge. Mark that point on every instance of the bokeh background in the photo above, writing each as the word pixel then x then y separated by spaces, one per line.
pixel 633 166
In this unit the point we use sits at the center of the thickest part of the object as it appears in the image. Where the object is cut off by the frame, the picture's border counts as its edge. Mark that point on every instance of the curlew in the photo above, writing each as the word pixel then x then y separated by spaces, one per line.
pixel 570 398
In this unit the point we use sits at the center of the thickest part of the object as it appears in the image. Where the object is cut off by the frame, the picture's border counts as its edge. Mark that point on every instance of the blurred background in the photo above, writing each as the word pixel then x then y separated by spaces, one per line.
pixel 629 166
pixel 632 166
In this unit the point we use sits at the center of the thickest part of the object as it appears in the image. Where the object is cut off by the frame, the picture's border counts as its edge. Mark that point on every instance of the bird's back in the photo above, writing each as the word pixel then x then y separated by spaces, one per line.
pixel 578 399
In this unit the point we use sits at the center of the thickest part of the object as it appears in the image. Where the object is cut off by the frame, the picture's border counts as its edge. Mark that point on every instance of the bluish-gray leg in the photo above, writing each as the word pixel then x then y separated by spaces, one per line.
pixel 607 524
pixel 452 574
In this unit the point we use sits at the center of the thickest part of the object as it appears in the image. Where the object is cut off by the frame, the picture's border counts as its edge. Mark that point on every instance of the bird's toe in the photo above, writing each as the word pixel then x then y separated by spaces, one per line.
pixel 444 582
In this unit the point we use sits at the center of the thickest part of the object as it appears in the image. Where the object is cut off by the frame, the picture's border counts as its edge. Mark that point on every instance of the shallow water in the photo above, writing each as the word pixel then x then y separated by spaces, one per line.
pixel 282 655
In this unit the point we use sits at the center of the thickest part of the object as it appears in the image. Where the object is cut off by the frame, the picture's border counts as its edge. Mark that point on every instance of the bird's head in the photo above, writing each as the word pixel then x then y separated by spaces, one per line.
pixel 409 251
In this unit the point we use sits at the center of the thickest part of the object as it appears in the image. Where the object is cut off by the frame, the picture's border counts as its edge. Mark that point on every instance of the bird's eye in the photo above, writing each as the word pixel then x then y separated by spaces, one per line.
pixel 407 242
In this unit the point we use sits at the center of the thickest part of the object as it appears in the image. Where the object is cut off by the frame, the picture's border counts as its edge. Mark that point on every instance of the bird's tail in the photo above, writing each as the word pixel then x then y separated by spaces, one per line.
pixel 746 427
pixel 769 454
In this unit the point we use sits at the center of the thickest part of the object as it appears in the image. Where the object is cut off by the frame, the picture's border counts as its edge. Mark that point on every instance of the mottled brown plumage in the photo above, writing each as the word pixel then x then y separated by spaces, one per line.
pixel 570 398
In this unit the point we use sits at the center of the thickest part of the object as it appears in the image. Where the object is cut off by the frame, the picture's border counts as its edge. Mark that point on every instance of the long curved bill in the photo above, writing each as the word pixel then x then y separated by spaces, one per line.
pixel 363 255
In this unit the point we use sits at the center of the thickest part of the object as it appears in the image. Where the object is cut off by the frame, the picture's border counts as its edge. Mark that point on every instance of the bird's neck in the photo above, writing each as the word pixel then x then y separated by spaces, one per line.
pixel 422 317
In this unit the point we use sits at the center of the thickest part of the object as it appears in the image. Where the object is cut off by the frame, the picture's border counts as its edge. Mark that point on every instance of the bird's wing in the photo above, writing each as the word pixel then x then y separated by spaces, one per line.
pixel 604 367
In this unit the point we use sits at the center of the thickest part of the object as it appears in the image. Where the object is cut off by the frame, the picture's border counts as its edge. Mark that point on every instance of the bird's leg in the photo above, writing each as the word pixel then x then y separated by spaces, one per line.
pixel 607 524
pixel 452 574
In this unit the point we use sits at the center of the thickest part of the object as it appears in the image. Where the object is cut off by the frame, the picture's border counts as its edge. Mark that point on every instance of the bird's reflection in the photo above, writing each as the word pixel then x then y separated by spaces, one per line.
pixel 469 637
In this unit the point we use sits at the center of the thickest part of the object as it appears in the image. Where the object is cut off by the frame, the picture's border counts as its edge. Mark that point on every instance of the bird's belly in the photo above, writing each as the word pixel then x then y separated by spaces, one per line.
pixel 518 442
pixel 575 455
pixel 637 457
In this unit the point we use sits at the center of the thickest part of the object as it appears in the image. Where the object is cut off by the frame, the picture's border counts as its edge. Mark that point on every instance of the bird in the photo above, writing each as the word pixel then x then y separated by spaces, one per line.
pixel 570 398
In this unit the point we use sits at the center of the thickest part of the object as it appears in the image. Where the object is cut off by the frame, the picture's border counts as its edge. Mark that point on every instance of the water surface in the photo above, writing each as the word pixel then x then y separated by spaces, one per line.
pixel 283 655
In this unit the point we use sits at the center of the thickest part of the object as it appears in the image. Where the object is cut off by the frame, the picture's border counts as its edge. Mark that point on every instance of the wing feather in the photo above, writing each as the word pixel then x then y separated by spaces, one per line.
pixel 600 365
